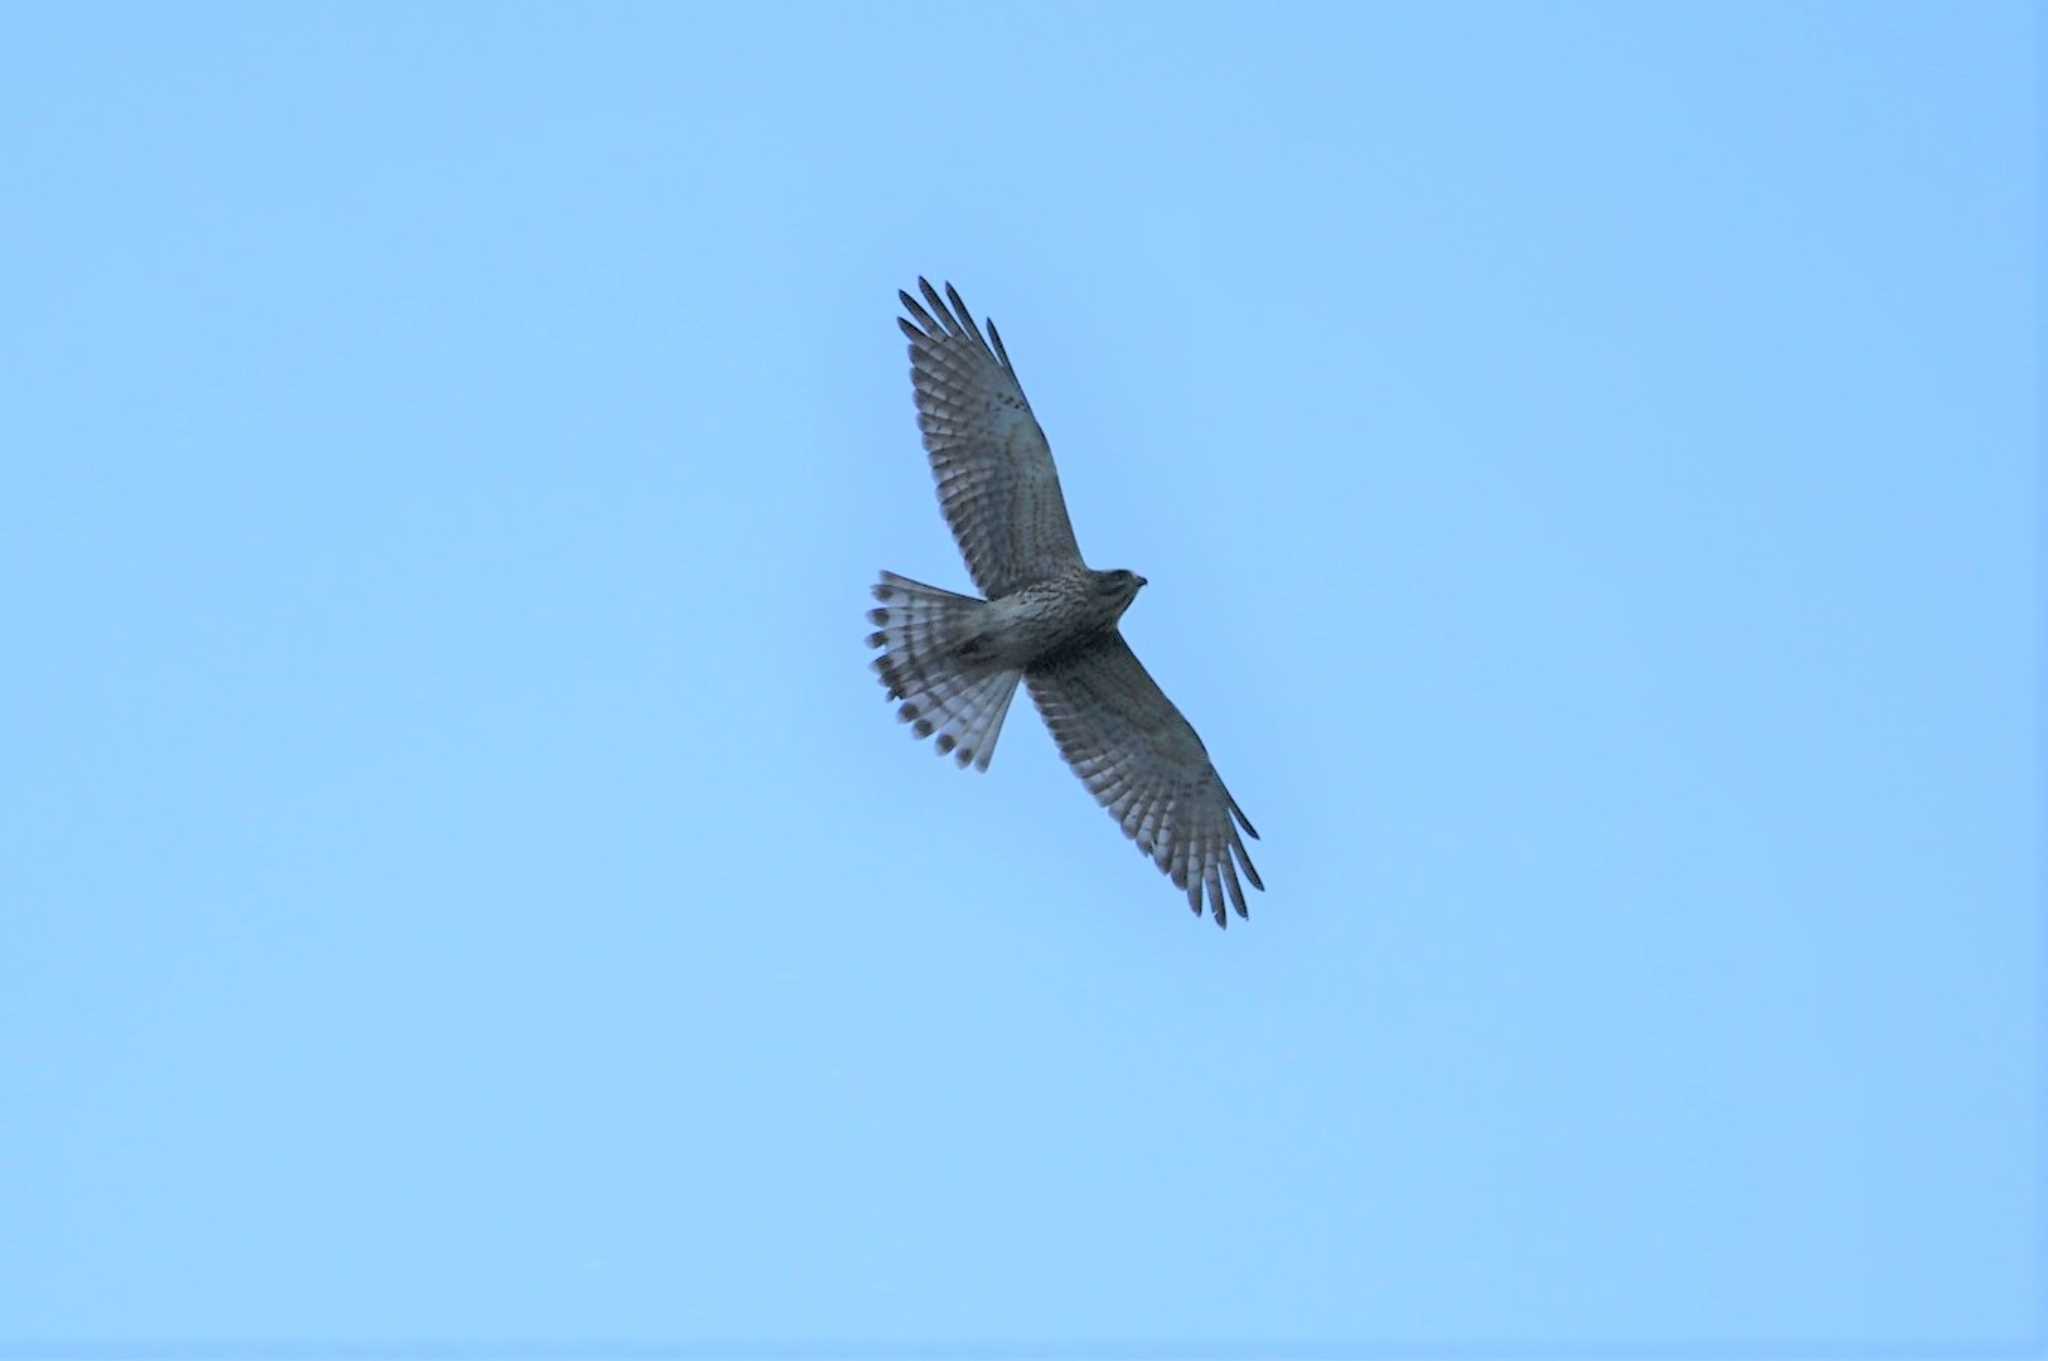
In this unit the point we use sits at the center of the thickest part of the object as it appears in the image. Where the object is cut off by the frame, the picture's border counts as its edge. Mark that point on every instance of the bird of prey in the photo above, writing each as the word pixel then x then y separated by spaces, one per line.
pixel 953 661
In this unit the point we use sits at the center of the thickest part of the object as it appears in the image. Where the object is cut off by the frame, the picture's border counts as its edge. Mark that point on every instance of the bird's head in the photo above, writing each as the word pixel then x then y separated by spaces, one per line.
pixel 1119 588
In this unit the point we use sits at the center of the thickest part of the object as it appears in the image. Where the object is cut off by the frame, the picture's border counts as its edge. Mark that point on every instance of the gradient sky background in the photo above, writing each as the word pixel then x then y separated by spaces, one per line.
pixel 462 882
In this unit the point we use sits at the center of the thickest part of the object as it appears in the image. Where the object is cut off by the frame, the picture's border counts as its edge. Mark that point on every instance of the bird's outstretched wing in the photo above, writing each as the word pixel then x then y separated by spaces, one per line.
pixel 997 484
pixel 1144 763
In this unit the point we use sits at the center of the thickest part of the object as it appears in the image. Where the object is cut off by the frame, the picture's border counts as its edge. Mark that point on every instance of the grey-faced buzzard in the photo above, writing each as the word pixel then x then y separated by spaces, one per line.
pixel 953 661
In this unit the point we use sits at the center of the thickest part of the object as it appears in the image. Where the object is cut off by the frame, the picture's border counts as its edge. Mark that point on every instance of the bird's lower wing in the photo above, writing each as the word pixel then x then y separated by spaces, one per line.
pixel 1144 763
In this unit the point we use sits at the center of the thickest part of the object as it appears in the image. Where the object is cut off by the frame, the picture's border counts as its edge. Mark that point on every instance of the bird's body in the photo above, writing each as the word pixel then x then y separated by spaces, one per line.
pixel 954 661
pixel 1041 620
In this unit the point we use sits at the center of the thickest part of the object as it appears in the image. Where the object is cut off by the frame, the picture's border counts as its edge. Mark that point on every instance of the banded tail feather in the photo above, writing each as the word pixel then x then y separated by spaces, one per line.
pixel 925 634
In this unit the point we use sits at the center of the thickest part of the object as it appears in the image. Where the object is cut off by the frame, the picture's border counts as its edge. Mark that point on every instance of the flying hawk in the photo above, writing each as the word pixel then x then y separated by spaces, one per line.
pixel 953 661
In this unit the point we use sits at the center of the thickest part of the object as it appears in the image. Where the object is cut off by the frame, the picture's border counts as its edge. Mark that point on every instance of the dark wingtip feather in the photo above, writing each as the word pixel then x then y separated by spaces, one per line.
pixel 1245 861
pixel 966 315
pixel 932 330
pixel 931 295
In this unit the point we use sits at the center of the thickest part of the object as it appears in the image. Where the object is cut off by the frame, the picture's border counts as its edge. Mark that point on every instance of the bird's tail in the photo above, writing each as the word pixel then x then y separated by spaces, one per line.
pixel 928 638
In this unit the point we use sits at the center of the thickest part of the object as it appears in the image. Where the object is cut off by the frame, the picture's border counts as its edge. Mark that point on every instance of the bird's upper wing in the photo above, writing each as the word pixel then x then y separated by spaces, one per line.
pixel 996 481
pixel 1144 763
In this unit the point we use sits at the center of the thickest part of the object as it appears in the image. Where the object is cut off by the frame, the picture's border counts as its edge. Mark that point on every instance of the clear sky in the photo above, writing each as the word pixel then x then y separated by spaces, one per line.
pixel 460 881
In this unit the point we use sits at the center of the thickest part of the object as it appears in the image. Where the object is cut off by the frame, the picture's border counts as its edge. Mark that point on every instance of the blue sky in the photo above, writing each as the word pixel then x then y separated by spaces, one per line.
pixel 461 881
